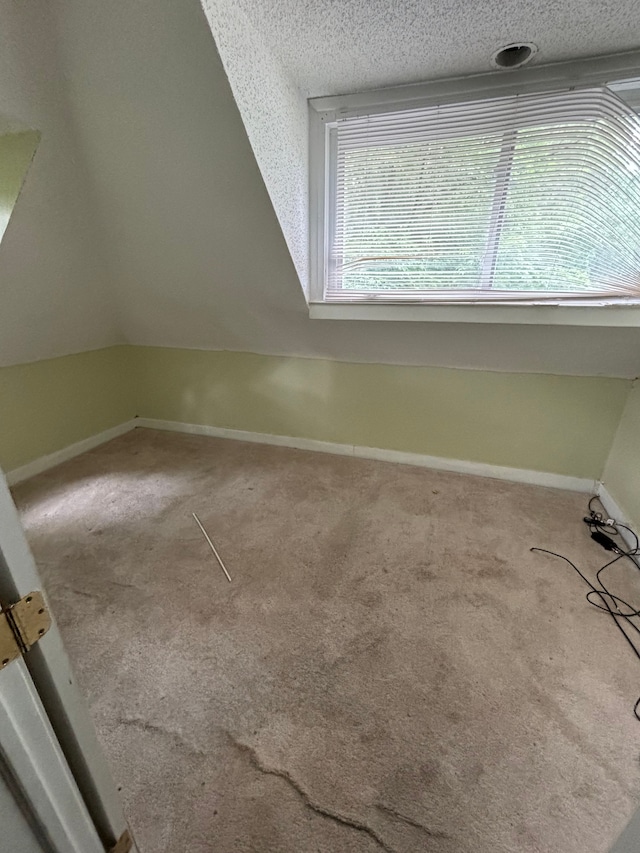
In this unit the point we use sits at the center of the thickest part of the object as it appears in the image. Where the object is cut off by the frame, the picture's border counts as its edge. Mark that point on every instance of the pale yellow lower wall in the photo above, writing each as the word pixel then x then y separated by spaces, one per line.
pixel 622 471
pixel 48 405
pixel 558 424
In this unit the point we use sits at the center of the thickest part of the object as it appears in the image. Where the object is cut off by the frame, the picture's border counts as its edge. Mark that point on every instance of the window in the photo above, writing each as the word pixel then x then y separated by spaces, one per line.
pixel 525 198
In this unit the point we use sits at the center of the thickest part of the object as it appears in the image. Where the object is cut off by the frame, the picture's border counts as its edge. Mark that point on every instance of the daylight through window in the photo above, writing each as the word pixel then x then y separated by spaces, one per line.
pixel 530 197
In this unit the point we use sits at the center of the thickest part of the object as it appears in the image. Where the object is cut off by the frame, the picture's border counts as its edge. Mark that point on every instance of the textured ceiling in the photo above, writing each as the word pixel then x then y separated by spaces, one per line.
pixel 195 253
pixel 331 47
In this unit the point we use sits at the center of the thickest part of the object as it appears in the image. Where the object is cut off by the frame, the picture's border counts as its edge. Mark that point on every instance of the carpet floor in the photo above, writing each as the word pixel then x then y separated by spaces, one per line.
pixel 390 669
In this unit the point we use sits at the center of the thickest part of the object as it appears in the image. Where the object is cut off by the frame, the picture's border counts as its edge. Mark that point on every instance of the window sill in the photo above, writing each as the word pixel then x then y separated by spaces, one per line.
pixel 544 315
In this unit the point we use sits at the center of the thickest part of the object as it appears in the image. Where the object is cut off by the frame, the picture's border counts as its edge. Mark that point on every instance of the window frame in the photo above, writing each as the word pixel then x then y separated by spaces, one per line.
pixel 323 113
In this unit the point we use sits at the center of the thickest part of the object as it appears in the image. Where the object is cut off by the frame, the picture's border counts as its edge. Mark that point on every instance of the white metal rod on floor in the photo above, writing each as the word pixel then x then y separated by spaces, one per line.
pixel 213 547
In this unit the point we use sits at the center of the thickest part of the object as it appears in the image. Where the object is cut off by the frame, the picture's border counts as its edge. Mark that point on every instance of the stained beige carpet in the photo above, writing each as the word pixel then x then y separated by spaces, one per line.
pixel 391 668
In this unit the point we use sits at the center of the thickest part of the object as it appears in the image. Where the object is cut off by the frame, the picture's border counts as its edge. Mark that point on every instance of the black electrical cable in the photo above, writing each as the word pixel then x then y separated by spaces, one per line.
pixel 606 600
pixel 597 521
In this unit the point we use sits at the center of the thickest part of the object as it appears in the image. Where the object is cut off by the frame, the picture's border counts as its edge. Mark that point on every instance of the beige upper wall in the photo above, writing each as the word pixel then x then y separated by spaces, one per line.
pixel 54 296
pixel 198 257
pixel 622 472
pixel 144 216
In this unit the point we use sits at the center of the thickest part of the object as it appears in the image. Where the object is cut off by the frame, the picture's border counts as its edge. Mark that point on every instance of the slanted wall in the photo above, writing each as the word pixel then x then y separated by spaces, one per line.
pixel 275 115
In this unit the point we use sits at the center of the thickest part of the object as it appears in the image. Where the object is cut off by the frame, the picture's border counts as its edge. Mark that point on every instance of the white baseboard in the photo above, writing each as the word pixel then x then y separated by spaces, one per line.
pixel 459 466
pixel 614 510
pixel 612 507
pixel 43 463
pixel 480 469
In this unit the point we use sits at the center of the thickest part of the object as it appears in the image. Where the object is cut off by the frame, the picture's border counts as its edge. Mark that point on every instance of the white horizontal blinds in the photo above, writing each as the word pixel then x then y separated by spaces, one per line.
pixel 523 197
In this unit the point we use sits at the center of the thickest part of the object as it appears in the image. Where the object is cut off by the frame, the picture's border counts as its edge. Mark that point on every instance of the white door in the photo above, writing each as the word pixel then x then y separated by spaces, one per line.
pixel 36 775
pixel 629 841
pixel 56 793
pixel 16 824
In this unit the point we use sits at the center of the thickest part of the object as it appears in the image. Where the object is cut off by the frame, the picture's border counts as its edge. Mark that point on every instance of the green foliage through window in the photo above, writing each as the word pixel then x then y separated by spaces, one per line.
pixel 538 195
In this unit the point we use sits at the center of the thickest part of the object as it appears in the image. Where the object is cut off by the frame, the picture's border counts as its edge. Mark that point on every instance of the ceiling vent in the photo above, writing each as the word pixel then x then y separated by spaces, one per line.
pixel 514 55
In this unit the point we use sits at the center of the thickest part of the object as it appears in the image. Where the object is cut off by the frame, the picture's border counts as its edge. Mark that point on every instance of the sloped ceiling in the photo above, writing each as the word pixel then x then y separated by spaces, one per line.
pixel 54 294
pixel 275 115
pixel 280 52
pixel 196 254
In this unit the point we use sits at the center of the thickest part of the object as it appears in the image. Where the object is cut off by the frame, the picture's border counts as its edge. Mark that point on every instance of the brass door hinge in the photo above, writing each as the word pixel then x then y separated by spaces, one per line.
pixel 123 844
pixel 21 626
